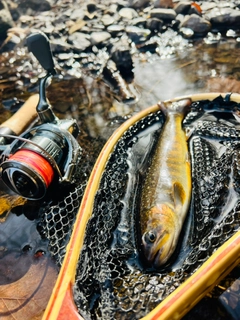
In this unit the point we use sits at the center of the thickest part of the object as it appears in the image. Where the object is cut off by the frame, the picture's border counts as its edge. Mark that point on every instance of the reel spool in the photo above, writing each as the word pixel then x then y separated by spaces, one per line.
pixel 46 153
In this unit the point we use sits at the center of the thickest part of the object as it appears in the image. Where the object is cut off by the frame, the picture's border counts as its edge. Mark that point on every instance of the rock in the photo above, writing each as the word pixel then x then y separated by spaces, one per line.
pixel 112 9
pixel 77 14
pixel 187 33
pixel 163 14
pixel 115 29
pixel 183 7
pixel 154 24
pixel 163 4
pixel 99 37
pixel 121 55
pixel 6 21
pixel 138 4
pixel 91 7
pixel 197 24
pixel 137 34
pixel 59 46
pixel 80 40
pixel 224 17
pixel 107 20
pixel 128 13
pixel 140 21
pixel 35 5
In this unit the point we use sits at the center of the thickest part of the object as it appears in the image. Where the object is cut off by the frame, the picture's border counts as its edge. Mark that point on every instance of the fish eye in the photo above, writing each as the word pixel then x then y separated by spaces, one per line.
pixel 150 236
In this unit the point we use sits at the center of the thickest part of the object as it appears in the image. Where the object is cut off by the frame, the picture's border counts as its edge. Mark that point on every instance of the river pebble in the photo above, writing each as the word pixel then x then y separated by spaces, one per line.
pixel 197 24
pixel 93 28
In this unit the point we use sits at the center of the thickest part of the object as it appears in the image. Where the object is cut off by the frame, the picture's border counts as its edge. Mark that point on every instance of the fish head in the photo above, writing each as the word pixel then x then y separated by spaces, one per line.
pixel 158 240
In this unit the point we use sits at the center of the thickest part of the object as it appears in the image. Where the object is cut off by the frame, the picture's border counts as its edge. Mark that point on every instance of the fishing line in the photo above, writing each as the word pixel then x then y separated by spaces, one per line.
pixel 48 155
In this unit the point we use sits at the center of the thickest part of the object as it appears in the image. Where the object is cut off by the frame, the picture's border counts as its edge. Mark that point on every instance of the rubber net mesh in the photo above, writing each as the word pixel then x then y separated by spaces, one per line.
pixel 112 281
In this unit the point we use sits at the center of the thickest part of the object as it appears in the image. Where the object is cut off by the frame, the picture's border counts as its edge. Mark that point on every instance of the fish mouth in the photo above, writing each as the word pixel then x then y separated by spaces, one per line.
pixel 158 253
pixel 163 252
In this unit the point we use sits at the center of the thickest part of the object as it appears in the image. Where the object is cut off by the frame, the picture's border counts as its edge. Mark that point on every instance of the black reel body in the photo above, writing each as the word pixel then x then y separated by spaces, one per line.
pixel 46 153
pixel 42 155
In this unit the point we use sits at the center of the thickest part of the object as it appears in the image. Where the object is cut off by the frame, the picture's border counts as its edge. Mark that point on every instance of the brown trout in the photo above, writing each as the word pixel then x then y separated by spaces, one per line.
pixel 166 192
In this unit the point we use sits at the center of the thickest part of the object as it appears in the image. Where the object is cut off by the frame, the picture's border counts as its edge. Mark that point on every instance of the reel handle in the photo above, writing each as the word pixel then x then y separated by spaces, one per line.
pixel 39 45
pixel 23 117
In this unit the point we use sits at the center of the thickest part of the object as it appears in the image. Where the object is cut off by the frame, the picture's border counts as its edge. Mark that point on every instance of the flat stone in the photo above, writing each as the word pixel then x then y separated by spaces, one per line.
pixel 163 4
pixel 137 34
pixel 80 41
pixel 99 37
pixel 128 13
pixel 163 14
pixel 36 5
pixel 196 23
pixel 77 14
pixel 154 24
pixel 138 4
pixel 107 20
pixel 115 29
pixel 225 17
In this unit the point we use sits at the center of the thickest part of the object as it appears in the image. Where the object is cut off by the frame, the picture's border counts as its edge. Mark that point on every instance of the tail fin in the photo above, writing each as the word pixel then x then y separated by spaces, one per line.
pixel 181 106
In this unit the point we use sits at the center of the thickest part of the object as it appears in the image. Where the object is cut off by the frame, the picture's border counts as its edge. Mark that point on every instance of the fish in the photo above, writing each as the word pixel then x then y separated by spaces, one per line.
pixel 166 188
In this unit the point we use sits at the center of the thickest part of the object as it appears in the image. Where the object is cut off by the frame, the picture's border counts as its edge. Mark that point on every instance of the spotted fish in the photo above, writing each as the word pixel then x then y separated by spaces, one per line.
pixel 166 192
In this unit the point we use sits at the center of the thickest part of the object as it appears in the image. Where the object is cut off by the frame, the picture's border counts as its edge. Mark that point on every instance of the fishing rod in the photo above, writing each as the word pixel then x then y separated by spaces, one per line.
pixel 45 154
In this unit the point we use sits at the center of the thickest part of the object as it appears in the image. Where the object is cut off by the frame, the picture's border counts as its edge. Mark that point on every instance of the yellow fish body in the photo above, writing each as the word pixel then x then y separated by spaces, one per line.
pixel 166 192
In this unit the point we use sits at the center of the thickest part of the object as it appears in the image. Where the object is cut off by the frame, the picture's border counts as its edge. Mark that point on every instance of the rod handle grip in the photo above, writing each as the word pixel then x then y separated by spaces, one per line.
pixel 20 121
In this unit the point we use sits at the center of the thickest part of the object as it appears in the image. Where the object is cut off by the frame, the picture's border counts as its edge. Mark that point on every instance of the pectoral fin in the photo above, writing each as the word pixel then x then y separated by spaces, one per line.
pixel 179 194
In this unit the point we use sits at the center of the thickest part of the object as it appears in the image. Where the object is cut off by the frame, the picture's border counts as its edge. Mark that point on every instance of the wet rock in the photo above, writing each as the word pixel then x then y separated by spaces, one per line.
pixel 197 24
pixel 187 33
pixel 120 88
pixel 107 20
pixel 112 9
pixel 35 5
pixel 179 18
pixel 128 13
pixel 206 6
pixel 224 17
pixel 137 34
pixel 163 4
pixel 60 45
pixel 154 24
pixel 139 22
pixel 163 14
pixel 80 40
pixel 77 14
pixel 6 20
pixel 121 55
pixel 183 7
pixel 91 7
pixel 149 46
pixel 115 29
pixel 99 37
pixel 138 4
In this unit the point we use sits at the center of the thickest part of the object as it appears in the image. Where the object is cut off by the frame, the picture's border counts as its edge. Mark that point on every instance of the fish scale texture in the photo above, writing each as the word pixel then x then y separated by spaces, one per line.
pixel 112 280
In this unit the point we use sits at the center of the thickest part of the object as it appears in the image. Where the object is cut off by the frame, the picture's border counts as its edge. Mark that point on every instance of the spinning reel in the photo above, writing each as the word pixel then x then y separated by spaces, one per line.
pixel 44 154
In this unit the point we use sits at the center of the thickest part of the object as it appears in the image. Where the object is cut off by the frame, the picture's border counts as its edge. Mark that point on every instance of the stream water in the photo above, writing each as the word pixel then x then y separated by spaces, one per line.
pixel 179 68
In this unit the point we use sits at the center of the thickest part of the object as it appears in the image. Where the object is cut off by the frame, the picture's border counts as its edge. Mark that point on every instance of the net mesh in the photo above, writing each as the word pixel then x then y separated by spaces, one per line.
pixel 112 281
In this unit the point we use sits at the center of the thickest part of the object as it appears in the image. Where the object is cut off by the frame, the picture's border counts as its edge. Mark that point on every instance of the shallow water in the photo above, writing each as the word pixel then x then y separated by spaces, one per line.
pixel 176 70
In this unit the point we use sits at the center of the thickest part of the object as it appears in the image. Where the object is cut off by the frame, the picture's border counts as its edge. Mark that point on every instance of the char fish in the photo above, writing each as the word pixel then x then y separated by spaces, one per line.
pixel 166 191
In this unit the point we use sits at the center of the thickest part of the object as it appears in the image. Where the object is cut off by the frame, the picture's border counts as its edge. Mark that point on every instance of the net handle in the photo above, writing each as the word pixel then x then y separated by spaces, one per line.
pixel 62 295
